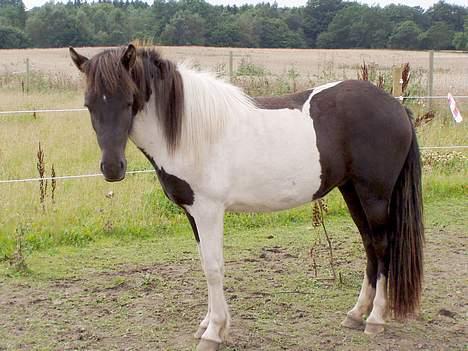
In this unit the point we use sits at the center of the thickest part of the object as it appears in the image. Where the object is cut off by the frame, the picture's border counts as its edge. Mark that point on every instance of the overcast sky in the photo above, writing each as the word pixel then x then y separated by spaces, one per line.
pixel 423 3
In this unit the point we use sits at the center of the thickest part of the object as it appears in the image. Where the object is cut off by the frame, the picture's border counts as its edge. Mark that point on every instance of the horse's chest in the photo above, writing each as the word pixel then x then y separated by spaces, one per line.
pixel 176 189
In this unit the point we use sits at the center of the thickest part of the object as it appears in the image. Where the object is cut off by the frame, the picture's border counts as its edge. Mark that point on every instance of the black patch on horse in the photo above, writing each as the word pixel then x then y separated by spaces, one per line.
pixel 177 190
pixel 193 225
pixel 291 101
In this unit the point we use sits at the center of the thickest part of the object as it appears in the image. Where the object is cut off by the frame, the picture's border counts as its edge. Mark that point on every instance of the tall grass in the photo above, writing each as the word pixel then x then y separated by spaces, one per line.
pixel 82 213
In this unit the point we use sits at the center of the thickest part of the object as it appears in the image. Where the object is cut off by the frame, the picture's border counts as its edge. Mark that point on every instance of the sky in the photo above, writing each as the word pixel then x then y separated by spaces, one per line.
pixel 423 3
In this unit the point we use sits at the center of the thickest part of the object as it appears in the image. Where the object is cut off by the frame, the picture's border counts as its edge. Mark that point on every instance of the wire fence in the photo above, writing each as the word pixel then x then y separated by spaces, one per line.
pixel 20 112
pixel 80 176
pixel 93 175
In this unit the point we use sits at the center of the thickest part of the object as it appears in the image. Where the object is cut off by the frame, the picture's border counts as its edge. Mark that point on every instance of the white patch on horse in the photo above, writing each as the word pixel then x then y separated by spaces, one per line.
pixel 364 302
pixel 317 90
pixel 379 309
pixel 277 149
pixel 104 98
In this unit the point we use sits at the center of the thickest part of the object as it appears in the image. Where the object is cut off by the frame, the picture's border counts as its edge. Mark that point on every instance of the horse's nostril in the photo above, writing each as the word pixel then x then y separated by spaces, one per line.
pixel 122 165
pixel 102 167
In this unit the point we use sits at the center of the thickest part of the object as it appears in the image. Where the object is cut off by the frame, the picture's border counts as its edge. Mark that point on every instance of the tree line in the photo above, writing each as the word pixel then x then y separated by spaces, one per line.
pixel 318 24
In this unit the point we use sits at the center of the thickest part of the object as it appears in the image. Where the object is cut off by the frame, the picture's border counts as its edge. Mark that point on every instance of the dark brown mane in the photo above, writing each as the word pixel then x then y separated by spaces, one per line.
pixel 150 74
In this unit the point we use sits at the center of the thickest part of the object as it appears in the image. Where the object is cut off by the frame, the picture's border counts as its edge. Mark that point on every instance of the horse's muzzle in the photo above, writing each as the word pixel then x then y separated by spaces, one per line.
pixel 114 171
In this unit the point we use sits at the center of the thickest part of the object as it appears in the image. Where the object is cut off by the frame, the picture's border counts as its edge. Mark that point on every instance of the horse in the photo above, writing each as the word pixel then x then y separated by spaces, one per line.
pixel 215 149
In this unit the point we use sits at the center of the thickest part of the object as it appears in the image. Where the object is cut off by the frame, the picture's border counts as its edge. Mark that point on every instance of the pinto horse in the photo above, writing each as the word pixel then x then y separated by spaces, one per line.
pixel 215 149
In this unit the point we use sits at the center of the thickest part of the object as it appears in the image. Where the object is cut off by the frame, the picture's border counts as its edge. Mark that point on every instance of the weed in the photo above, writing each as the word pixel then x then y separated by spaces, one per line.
pixel 40 165
pixel 249 69
pixel 54 184
pixel 18 259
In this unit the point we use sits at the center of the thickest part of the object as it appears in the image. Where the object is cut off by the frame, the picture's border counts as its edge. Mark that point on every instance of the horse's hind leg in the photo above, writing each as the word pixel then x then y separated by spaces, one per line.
pixel 376 209
pixel 354 318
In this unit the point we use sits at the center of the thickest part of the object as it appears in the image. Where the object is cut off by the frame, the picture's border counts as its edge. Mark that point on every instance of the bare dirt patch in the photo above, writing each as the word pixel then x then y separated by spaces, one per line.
pixel 276 304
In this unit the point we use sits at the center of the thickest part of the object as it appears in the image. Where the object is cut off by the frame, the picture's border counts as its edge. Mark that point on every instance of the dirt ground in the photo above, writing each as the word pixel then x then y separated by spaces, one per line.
pixel 275 302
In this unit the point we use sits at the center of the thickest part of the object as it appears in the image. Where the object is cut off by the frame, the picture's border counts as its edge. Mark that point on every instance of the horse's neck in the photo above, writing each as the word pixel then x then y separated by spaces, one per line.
pixel 147 133
pixel 211 106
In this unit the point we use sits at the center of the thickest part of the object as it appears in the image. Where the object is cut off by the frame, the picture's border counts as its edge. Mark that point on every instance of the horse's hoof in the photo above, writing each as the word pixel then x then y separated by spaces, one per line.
pixel 198 334
pixel 352 323
pixel 208 345
pixel 374 328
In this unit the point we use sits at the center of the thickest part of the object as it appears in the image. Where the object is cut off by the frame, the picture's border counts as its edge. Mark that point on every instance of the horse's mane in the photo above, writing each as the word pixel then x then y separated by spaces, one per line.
pixel 191 106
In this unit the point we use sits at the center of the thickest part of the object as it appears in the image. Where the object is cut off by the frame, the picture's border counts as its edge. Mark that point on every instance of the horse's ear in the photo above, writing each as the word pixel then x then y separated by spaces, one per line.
pixel 129 57
pixel 78 60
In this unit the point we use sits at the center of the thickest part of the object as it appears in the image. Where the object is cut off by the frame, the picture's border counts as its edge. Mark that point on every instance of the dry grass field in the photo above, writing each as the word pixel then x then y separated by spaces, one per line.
pixel 450 68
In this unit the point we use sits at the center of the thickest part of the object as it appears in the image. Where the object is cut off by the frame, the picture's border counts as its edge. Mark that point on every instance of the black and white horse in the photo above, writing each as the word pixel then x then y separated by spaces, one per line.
pixel 215 150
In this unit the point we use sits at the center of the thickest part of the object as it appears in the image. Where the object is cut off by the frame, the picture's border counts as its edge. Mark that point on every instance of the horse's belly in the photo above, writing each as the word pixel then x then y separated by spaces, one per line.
pixel 270 199
pixel 279 171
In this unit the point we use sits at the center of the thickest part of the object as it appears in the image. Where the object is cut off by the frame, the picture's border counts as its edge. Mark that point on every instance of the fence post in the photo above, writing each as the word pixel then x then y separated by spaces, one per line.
pixel 231 64
pixel 27 76
pixel 397 81
pixel 430 77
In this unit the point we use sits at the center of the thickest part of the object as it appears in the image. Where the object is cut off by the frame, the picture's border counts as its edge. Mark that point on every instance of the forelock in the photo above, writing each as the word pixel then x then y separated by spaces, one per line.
pixel 105 74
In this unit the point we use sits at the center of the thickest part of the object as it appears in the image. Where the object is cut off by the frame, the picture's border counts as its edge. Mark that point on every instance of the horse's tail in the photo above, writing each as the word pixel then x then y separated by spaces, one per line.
pixel 406 236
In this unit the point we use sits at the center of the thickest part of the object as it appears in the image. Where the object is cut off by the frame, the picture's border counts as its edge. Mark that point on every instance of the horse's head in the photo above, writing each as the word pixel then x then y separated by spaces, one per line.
pixel 111 98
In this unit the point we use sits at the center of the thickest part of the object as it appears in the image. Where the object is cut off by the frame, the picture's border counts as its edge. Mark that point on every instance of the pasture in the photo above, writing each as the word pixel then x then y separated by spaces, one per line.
pixel 114 266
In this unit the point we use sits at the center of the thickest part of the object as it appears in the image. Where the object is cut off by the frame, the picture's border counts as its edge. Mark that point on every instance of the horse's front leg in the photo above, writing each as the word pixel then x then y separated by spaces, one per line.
pixel 208 218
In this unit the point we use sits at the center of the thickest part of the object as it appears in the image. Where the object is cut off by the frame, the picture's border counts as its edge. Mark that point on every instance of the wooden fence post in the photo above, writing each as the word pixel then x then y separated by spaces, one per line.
pixel 27 76
pixel 397 81
pixel 231 64
pixel 430 78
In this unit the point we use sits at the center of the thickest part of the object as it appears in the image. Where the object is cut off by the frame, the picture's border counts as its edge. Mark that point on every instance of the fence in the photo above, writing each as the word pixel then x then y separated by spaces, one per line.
pixel 231 72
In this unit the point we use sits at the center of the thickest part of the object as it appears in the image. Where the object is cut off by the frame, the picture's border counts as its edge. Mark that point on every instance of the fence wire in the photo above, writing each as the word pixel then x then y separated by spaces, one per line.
pixel 93 175
pixel 19 112
pixel 27 180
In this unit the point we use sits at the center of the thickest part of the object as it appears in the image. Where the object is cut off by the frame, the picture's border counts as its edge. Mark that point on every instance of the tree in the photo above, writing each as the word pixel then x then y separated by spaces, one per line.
pixel 184 28
pixel 460 41
pixel 405 36
pixel 54 26
pixel 437 37
pixel 320 23
pixel 397 14
pixel 13 13
pixel 452 15
pixel 356 26
pixel 274 33
pixel 13 38
pixel 318 14
pixel 226 33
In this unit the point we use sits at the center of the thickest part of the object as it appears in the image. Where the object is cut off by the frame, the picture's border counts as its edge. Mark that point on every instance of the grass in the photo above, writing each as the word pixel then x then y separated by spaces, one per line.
pixel 83 213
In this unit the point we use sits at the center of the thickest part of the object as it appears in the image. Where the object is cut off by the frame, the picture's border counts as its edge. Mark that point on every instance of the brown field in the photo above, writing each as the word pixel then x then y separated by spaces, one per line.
pixel 450 68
